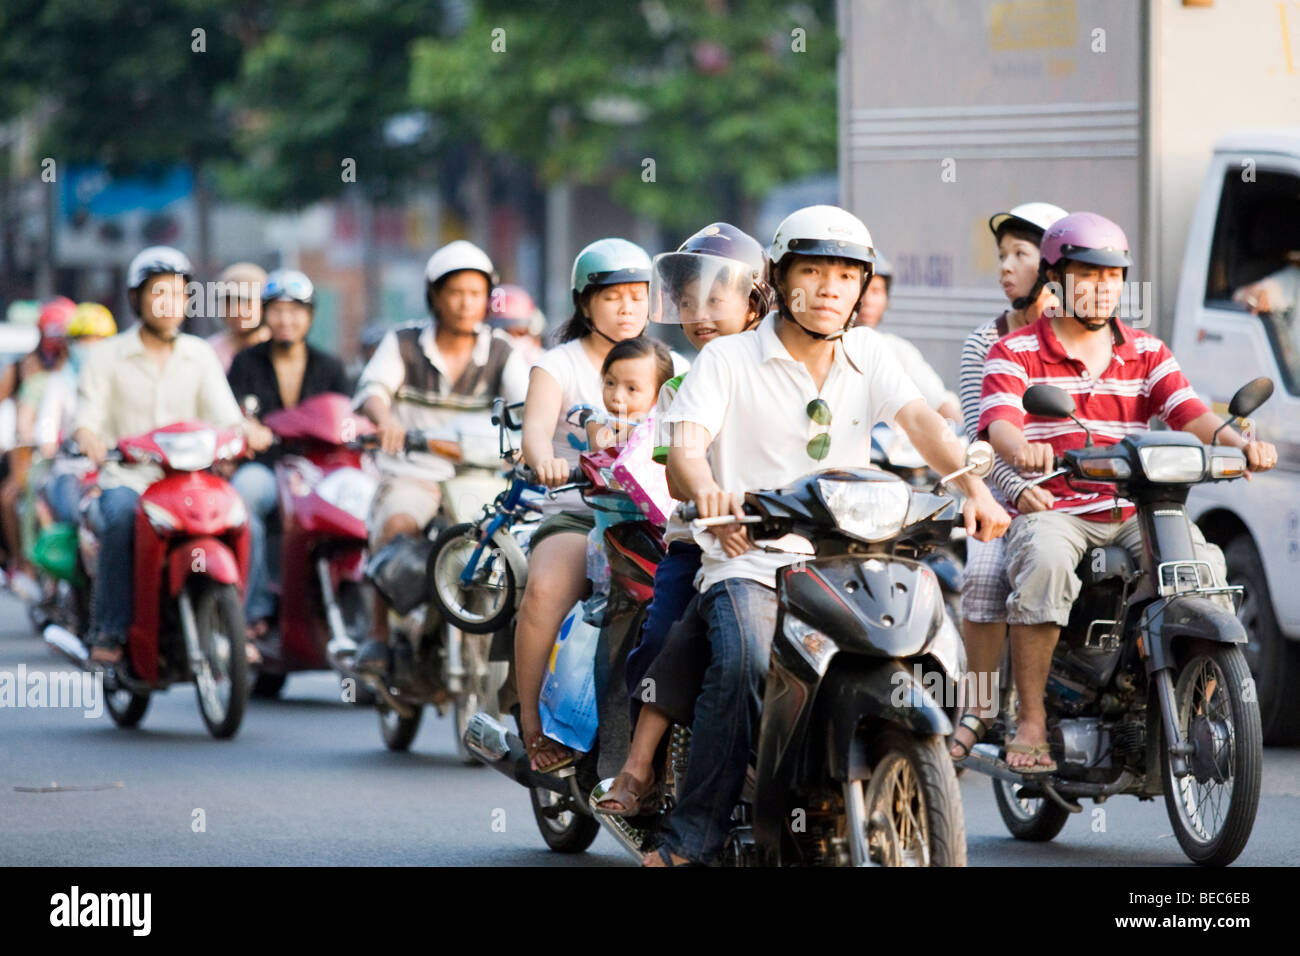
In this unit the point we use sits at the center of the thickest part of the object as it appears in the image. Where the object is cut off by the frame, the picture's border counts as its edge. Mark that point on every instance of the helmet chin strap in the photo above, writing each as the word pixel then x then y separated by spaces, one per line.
pixel 616 341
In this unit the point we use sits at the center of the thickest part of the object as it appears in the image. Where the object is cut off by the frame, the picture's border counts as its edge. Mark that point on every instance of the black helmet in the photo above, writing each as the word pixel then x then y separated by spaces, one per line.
pixel 717 244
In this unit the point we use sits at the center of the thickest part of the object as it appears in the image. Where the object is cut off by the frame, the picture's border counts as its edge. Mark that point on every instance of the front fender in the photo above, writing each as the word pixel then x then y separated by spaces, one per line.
pixel 515 558
pixel 207 556
pixel 855 690
pixel 1187 617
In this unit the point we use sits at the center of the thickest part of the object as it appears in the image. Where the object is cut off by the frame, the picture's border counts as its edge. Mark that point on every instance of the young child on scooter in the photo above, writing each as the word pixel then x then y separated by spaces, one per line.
pixel 714 285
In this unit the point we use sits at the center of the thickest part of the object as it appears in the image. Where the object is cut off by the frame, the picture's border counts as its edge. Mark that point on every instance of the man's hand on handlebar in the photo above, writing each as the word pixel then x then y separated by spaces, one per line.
pixel 1034 498
pixel 1034 458
pixel 1260 455
pixel 392 436
pixel 985 518
pixel 91 445
pixel 257 436
pixel 734 538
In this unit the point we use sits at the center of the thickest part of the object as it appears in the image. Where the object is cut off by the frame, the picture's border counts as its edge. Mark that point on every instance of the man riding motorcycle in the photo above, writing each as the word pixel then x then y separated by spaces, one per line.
pixel 424 377
pixel 1119 378
pixel 147 377
pixel 811 386
pixel 277 373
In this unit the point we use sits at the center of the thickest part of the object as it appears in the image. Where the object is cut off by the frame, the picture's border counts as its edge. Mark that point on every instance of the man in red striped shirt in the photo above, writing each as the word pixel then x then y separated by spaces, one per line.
pixel 1119 379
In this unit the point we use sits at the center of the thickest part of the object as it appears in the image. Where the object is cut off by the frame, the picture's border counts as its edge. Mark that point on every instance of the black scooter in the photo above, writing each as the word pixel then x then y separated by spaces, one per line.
pixel 861 688
pixel 1148 692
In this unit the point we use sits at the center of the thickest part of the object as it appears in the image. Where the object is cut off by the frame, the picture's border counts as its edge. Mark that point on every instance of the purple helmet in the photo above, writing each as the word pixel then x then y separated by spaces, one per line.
pixel 1085 237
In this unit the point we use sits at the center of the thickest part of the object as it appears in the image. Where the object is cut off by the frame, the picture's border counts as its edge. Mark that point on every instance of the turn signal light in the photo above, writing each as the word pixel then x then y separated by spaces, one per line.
pixel 1105 468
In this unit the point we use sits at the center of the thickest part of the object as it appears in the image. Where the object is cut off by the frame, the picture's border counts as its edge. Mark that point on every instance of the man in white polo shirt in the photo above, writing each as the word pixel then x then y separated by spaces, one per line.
pixel 798 394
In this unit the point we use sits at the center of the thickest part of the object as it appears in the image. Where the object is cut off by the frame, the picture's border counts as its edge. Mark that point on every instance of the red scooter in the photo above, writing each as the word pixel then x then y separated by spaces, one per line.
pixel 191 557
pixel 324 499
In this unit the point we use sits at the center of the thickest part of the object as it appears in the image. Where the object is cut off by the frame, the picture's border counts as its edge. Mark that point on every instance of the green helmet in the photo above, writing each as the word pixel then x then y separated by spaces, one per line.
pixel 609 262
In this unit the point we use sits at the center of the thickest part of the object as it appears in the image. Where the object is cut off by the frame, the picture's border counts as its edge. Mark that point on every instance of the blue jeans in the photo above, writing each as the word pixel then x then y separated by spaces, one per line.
pixel 674 588
pixel 111 608
pixel 741 616
pixel 63 494
pixel 256 485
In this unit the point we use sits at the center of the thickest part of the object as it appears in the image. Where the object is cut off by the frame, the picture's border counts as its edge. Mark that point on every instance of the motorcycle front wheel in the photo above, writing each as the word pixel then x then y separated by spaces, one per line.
pixel 909 813
pixel 398 731
pixel 221 677
pixel 1213 806
pixel 486 605
pixel 126 709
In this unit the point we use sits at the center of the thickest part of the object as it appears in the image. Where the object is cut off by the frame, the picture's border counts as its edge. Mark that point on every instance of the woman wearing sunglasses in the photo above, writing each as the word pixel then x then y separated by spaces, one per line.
pixel 798 395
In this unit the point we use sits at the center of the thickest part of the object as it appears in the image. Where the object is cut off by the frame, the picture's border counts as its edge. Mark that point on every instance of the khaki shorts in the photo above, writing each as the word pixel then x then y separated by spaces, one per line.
pixel 403 496
pixel 1044 548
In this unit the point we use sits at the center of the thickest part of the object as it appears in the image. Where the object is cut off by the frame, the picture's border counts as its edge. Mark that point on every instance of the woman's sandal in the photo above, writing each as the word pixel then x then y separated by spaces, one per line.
pixel 976 726
pixel 628 792
pixel 1036 751
pixel 542 743
pixel 666 855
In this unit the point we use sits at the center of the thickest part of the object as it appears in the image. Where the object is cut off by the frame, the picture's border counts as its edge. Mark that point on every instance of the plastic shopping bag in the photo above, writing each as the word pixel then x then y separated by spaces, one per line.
pixel 568 698
pixel 644 479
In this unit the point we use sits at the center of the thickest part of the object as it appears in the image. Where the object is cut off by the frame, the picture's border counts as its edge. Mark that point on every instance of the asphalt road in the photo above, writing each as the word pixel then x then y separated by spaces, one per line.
pixel 307 781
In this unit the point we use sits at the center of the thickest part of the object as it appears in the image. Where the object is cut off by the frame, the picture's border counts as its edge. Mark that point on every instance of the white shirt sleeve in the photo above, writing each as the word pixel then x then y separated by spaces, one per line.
pixel 514 378
pixel 92 391
pixel 889 386
pixel 919 371
pixel 383 374
pixel 705 395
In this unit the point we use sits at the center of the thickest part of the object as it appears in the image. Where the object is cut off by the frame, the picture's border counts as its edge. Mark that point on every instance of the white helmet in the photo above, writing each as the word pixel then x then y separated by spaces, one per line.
pixel 1035 215
pixel 821 231
pixel 157 260
pixel 457 256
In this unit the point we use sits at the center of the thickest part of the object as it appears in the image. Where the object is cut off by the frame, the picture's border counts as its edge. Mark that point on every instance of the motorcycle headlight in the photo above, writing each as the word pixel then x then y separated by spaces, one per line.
pixel 1173 464
pixel 350 490
pixel 869 510
pixel 813 646
pixel 188 451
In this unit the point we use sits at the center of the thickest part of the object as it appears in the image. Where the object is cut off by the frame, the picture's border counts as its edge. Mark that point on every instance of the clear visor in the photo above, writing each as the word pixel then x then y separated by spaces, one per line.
pixel 687 288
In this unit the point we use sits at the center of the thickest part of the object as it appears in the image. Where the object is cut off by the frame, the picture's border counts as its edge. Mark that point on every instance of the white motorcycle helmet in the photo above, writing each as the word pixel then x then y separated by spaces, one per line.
pixel 456 256
pixel 153 261
pixel 821 231
pixel 1035 215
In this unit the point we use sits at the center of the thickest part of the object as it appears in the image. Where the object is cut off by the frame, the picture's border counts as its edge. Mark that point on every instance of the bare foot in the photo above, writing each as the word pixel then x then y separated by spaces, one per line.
pixel 106 655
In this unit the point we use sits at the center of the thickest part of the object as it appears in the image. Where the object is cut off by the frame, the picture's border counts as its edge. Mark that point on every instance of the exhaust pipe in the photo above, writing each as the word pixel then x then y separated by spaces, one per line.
pixel 633 839
pixel 492 743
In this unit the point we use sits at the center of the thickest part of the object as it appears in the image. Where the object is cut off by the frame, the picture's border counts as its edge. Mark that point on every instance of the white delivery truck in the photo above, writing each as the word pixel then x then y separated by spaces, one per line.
pixel 1179 119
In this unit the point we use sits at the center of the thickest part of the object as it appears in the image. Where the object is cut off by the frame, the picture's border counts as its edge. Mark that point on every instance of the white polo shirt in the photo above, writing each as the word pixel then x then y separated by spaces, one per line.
pixel 752 396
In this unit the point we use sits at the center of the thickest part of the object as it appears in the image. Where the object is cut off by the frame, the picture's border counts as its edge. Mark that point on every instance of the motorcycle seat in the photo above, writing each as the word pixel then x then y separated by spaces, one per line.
pixel 1106 563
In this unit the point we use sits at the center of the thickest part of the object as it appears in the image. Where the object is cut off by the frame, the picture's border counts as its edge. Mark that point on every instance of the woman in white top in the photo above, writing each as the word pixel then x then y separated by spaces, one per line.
pixel 610 283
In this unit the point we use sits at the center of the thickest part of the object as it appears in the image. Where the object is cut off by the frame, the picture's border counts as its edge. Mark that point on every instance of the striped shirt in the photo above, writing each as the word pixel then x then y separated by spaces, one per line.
pixel 1007 483
pixel 1142 380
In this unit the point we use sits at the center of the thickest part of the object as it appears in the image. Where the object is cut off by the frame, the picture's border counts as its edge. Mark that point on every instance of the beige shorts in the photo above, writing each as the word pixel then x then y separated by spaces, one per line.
pixel 1044 548
pixel 403 496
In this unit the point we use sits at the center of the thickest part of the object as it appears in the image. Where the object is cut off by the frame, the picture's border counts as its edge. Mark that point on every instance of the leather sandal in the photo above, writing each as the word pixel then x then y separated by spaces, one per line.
pixel 543 744
pixel 976 726
pixel 626 791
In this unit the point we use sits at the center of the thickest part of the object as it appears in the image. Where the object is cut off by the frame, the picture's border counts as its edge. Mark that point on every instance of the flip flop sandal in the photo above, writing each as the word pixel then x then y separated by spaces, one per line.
pixel 1035 751
pixel 666 855
pixel 542 742
pixel 976 726
pixel 627 791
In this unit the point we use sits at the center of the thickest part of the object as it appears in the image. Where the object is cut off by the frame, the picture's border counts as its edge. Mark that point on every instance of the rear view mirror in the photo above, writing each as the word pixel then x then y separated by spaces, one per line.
pixel 1048 401
pixel 1250 396
pixel 979 456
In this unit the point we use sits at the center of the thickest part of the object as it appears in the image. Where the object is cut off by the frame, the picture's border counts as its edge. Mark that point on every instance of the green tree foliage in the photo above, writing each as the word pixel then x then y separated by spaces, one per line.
pixel 714 93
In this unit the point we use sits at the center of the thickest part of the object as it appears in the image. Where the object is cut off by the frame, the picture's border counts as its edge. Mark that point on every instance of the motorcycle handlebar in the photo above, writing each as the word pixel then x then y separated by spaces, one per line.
pixel 527 474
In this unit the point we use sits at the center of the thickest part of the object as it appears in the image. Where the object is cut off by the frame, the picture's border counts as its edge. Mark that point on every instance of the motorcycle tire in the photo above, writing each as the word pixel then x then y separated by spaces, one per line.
pixel 1035 820
pixel 448 558
pixel 1274 659
pixel 568 832
pixel 267 686
pixel 398 731
pixel 126 709
pixel 1219 672
pixel 219 620
pixel 922 767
